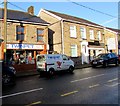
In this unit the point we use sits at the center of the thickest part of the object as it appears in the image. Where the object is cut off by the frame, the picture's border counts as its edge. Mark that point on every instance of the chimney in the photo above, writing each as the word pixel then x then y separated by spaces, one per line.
pixel 31 10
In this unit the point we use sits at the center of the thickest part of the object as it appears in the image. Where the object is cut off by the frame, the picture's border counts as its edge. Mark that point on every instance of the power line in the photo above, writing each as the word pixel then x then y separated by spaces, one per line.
pixel 92 9
pixel 1 3
pixel 16 6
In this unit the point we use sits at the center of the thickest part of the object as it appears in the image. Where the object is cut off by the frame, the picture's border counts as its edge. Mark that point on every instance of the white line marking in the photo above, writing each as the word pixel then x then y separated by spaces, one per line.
pixel 92 86
pixel 116 84
pixel 19 93
pixel 87 78
pixel 112 80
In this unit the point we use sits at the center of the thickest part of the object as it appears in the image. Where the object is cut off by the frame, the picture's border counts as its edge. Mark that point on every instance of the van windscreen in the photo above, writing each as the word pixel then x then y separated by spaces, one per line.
pixel 41 58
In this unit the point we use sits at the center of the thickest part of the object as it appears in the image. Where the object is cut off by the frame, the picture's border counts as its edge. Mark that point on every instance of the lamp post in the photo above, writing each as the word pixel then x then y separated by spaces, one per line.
pixel 5 28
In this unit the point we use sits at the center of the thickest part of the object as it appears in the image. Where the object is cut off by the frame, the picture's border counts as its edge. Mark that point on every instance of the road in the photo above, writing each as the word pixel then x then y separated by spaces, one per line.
pixel 85 86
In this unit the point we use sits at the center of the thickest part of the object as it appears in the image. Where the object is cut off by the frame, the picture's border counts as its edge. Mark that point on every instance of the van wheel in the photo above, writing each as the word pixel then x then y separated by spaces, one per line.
pixel 71 69
pixel 51 72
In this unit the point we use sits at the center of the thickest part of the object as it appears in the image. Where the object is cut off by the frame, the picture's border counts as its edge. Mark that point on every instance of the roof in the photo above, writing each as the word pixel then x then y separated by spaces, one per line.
pixel 73 18
pixel 21 16
pixel 115 30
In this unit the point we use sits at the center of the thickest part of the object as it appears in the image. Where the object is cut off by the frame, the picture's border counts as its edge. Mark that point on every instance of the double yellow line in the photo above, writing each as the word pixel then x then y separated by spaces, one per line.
pixel 34 103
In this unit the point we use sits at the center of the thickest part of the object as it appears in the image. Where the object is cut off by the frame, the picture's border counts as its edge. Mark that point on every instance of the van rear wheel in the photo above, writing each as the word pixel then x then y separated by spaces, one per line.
pixel 51 72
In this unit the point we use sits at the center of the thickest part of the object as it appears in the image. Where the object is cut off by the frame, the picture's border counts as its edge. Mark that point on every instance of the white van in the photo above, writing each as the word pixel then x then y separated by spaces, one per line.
pixel 50 63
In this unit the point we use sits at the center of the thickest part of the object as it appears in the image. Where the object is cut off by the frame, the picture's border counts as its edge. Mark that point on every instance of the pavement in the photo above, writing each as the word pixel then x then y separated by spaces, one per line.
pixel 34 72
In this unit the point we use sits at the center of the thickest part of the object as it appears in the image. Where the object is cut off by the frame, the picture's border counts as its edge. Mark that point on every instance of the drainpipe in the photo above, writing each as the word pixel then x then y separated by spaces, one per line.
pixel 62 37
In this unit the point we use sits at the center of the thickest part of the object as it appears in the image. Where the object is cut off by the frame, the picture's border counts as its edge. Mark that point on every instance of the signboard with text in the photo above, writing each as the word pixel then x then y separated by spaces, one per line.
pixel 24 46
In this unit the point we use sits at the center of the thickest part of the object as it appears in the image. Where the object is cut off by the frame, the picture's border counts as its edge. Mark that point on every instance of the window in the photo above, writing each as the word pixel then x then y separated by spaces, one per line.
pixel 73 50
pixel 40 34
pixel 20 32
pixel 91 34
pixel 73 31
pixel 83 32
pixel 65 57
pixel 99 35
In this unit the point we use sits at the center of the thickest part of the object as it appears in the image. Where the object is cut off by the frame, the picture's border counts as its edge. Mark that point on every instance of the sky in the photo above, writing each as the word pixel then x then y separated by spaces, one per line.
pixel 103 13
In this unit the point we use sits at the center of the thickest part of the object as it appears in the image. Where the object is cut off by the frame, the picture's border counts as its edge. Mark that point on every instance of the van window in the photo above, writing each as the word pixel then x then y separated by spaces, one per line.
pixel 65 57
pixel 41 58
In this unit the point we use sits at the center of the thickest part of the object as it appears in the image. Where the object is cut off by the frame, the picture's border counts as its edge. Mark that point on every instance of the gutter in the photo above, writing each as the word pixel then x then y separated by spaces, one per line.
pixel 25 22
pixel 62 37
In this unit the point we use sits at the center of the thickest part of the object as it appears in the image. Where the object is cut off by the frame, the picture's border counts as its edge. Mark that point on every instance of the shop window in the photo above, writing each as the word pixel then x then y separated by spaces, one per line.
pixel 73 31
pixel 40 34
pixel 20 33
pixel 73 50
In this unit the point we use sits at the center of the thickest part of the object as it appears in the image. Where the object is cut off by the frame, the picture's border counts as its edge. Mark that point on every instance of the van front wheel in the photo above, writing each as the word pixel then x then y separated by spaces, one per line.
pixel 71 69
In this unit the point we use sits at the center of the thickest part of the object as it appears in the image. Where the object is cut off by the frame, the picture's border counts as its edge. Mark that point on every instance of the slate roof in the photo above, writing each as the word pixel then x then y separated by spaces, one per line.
pixel 69 17
pixel 21 16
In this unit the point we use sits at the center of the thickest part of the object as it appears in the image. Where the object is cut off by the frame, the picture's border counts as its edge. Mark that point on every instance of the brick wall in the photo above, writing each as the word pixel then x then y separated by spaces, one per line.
pixel 24 67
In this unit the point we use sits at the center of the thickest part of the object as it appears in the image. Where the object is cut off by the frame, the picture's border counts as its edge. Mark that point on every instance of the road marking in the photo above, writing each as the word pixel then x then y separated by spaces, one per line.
pixel 34 103
pixel 116 84
pixel 87 78
pixel 92 86
pixel 69 93
pixel 112 80
pixel 19 93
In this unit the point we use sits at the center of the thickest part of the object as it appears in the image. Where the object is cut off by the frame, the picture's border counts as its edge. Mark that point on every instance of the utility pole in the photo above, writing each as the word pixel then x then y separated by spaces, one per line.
pixel 5 28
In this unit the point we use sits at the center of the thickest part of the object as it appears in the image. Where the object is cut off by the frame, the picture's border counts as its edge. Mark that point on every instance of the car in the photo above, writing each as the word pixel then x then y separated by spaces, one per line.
pixel 8 75
pixel 105 59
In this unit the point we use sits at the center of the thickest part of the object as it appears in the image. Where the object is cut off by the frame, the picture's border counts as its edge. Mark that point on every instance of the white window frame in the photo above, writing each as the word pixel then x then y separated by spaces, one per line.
pixel 74 48
pixel 73 31
pixel 83 32
pixel 91 32
pixel 99 35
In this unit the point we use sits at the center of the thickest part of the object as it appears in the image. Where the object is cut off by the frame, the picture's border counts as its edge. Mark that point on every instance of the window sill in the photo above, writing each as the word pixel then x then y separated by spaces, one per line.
pixel 73 37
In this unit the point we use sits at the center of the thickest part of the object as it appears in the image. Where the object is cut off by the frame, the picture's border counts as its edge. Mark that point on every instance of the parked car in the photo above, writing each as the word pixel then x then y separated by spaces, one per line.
pixel 105 59
pixel 51 63
pixel 8 74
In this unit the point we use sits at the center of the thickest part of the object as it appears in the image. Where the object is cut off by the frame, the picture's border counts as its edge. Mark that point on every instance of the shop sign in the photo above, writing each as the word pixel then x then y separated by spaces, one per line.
pixel 24 46
pixel 96 43
pixel 111 43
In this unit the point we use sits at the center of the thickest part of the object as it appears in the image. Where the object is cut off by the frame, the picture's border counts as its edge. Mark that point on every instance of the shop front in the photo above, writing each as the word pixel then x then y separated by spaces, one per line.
pixel 91 49
pixel 23 56
pixel 95 48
